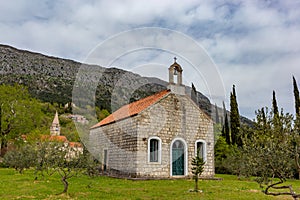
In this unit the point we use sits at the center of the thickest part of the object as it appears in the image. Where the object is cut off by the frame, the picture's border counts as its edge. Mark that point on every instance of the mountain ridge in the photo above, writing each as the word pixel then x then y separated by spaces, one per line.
pixel 51 79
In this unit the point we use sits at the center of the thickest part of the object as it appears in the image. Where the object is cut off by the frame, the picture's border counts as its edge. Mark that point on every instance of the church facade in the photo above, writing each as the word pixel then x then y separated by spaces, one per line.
pixel 156 136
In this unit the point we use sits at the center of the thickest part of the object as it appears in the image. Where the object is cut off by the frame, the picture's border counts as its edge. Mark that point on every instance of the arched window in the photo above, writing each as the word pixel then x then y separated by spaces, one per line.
pixel 154 149
pixel 200 149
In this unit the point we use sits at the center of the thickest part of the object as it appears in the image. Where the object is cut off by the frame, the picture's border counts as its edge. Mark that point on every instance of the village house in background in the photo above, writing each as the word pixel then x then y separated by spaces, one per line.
pixel 75 117
pixel 56 137
pixel 78 118
pixel 156 136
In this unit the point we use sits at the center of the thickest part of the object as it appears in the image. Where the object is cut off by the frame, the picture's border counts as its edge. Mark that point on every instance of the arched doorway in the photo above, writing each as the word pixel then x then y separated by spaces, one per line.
pixel 178 158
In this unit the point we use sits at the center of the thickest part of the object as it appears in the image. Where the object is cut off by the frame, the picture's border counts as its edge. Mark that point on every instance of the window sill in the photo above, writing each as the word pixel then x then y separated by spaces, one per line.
pixel 154 163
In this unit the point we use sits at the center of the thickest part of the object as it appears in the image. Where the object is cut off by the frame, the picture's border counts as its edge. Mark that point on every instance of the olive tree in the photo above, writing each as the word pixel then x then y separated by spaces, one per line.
pixel 57 157
pixel 20 158
pixel 270 153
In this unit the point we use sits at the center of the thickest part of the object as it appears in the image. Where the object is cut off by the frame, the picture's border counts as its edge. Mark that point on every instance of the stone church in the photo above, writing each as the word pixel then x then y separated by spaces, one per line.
pixel 156 136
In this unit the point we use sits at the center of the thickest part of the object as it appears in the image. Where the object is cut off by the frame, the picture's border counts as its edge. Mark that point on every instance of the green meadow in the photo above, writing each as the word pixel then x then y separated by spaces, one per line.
pixel 23 186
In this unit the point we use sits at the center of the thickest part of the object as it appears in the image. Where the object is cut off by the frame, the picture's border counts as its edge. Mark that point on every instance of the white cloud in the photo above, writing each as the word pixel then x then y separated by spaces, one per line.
pixel 255 44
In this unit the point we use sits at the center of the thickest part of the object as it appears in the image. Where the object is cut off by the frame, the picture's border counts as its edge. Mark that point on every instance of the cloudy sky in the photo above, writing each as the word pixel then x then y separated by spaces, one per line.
pixel 253 44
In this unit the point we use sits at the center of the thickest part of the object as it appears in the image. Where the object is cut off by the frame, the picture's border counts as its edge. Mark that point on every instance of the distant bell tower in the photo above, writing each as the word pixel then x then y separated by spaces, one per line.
pixel 55 127
pixel 175 79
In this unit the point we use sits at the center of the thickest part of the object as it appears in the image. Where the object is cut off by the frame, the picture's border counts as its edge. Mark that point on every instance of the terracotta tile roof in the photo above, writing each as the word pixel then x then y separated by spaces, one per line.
pixel 56 138
pixel 75 144
pixel 132 108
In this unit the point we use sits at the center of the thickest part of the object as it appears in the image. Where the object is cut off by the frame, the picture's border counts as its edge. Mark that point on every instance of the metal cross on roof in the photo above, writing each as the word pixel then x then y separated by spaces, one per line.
pixel 175 59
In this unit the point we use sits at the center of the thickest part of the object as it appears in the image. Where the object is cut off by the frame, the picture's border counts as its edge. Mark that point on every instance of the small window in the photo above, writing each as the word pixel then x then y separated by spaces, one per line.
pixel 154 149
pixel 200 149
pixel 105 160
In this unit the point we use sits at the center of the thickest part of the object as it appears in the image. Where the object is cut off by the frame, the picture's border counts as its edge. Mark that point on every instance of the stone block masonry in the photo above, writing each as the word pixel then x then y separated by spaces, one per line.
pixel 172 117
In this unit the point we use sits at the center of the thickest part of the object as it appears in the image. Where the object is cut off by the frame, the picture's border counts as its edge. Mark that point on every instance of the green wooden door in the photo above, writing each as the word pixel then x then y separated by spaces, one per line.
pixel 178 158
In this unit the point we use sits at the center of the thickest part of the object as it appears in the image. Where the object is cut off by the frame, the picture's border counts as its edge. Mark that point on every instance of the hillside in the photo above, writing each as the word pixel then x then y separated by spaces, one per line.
pixel 51 79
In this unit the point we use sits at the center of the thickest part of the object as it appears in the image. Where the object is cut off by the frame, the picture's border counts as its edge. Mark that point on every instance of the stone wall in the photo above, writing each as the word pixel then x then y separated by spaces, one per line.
pixel 120 141
pixel 173 117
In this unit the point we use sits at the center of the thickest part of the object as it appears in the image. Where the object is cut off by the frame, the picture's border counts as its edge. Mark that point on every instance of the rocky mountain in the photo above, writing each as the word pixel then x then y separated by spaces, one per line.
pixel 51 79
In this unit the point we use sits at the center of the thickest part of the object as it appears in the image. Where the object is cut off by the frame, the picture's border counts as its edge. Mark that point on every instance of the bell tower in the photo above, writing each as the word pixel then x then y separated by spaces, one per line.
pixel 175 79
pixel 55 127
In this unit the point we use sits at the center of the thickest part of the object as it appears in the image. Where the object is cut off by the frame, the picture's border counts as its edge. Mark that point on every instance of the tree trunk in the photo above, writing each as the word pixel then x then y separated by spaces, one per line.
pixel 66 184
pixel 3 147
pixel 297 160
pixel 196 184
pixel 1 118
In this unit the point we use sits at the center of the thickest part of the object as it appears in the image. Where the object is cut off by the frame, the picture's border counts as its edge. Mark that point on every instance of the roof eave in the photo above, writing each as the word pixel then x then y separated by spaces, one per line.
pixel 94 127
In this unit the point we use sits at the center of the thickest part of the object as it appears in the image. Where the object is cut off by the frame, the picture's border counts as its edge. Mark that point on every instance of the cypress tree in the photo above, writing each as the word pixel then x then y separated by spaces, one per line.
pixel 225 130
pixel 274 103
pixel 194 94
pixel 224 112
pixel 264 116
pixel 234 118
pixel 261 119
pixel 276 118
pixel 0 119
pixel 217 114
pixel 297 98
pixel 297 106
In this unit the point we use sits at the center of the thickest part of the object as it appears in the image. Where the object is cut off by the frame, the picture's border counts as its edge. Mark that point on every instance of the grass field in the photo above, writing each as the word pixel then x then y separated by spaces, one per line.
pixel 22 186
